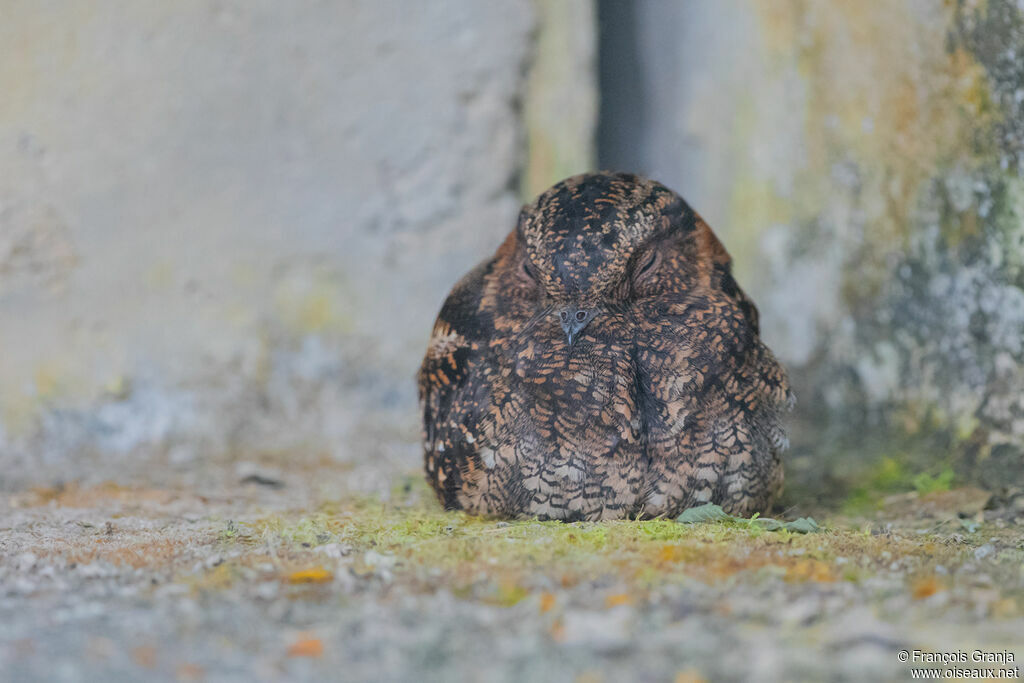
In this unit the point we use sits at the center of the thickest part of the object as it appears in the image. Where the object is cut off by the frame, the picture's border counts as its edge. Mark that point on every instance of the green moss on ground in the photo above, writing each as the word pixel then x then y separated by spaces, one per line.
pixel 415 545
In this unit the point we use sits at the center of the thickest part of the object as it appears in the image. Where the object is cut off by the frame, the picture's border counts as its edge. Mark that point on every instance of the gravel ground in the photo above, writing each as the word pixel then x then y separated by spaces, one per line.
pixel 234 580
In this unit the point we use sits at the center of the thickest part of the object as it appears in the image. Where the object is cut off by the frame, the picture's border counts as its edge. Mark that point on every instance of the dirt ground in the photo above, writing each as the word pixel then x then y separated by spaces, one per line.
pixel 254 572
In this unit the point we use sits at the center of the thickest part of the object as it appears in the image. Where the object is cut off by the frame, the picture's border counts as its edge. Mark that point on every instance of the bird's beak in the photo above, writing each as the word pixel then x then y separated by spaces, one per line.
pixel 574 319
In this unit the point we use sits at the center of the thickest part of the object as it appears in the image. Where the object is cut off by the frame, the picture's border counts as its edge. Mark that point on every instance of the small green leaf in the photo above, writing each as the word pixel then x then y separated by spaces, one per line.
pixel 804 525
pixel 709 512
pixel 769 524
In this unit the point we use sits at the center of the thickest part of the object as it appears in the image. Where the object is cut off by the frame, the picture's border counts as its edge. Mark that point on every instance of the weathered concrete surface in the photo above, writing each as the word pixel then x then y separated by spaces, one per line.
pixel 215 580
pixel 862 162
pixel 560 104
pixel 226 227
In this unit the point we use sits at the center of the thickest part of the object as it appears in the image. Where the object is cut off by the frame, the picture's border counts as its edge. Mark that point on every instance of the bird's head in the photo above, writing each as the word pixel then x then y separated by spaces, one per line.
pixel 594 242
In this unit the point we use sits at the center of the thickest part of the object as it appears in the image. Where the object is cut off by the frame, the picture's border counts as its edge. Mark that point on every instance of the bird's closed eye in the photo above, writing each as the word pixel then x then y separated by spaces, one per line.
pixel 648 266
pixel 526 271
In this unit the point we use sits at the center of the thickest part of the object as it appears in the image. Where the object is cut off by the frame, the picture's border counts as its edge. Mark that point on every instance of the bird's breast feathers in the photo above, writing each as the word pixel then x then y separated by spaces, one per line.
pixel 644 394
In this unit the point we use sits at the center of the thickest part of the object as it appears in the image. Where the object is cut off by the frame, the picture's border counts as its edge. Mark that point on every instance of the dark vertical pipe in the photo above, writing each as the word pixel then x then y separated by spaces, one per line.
pixel 621 115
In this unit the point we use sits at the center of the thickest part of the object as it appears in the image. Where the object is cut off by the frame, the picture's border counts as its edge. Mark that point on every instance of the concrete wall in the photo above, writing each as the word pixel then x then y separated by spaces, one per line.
pixel 863 163
pixel 226 225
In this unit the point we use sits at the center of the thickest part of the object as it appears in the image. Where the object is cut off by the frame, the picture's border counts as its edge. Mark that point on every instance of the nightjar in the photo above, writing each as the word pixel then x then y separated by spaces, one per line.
pixel 602 364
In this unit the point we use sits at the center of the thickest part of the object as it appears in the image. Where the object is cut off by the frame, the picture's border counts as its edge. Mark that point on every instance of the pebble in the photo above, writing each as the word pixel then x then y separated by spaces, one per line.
pixel 25 562
pixel 268 590
pixel 334 550
pixel 984 551
pixel 379 561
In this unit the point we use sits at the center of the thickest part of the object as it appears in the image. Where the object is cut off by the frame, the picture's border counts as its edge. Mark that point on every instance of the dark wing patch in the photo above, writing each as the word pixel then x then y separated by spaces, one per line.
pixel 446 379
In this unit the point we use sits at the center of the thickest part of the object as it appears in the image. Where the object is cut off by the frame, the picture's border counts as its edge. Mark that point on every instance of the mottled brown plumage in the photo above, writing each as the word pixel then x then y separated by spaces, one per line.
pixel 603 364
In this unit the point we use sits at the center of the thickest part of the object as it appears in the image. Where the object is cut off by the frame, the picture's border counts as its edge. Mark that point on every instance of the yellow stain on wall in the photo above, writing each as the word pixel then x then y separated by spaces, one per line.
pixel 560 105
pixel 880 92
pixel 313 303
pixel 160 275
pixel 47 381
pixel 18 413
pixel 21 405
pixel 317 312
pixel 26 27
pixel 56 381
pixel 754 203
pixel 244 274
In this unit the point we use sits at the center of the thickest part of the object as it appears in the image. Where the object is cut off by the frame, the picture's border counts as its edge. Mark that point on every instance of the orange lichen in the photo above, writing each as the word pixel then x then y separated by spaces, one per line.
pixel 186 671
pixel 617 599
pixel 688 676
pixel 151 552
pixel 307 647
pixel 74 496
pixel 670 553
pixel 145 656
pixel 313 575
pixel 810 570
pixel 926 587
